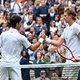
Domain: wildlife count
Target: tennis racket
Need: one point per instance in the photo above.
(69, 51)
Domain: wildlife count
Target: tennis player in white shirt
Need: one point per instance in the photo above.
(12, 43)
(71, 35)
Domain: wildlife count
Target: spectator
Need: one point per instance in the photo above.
(57, 19)
(1, 7)
(24, 61)
(32, 30)
(43, 11)
(36, 6)
(39, 26)
(53, 28)
(24, 16)
(51, 14)
(30, 52)
(30, 23)
(7, 18)
(34, 40)
(50, 3)
(31, 4)
(31, 12)
(53, 76)
(26, 4)
(2, 18)
(38, 60)
(16, 7)
(62, 24)
(5, 26)
(42, 76)
(42, 49)
(6, 7)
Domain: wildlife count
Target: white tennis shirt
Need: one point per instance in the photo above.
(72, 41)
(12, 43)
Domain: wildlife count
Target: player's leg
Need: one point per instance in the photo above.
(15, 73)
(4, 73)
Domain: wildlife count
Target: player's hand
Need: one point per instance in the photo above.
(74, 60)
(77, 59)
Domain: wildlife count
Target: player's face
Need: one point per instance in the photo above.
(66, 17)
(18, 25)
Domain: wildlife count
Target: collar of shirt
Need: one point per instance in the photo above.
(13, 30)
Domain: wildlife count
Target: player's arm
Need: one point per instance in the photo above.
(77, 59)
(55, 42)
(36, 45)
(77, 30)
(0, 41)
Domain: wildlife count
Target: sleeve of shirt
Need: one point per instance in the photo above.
(0, 40)
(77, 29)
(25, 42)
(63, 35)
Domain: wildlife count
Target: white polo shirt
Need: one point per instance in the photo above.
(12, 43)
(72, 41)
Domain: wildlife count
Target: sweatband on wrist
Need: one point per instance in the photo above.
(41, 40)
(48, 40)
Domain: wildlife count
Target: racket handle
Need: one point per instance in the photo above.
(74, 60)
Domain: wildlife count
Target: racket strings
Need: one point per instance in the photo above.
(65, 52)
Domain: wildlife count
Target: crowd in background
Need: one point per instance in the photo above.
(38, 16)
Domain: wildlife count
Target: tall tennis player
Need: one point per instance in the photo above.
(11, 43)
(71, 36)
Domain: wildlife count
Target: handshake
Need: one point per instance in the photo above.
(42, 37)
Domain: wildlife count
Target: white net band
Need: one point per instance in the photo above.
(43, 65)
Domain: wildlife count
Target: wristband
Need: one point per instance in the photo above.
(41, 40)
(48, 40)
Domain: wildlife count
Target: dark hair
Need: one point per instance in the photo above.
(14, 20)
(38, 51)
(26, 51)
